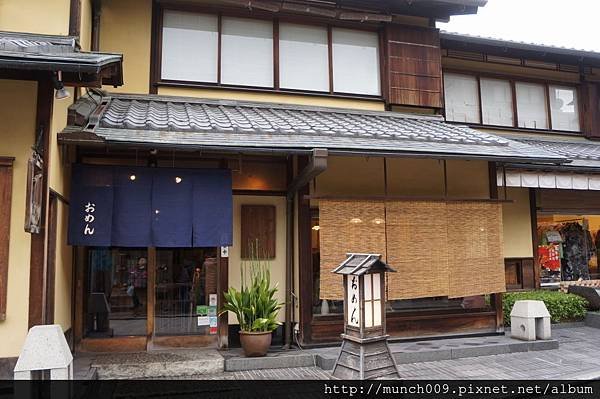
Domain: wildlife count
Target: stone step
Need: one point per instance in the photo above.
(592, 319)
(274, 360)
(158, 364)
(445, 349)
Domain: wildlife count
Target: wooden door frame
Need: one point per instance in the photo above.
(50, 267)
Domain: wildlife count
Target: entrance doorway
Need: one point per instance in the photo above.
(139, 298)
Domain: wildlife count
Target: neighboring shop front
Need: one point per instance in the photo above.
(565, 210)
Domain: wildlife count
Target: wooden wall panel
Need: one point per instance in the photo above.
(258, 223)
(414, 66)
(590, 109)
(6, 173)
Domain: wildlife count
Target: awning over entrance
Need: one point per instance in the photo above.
(582, 173)
(230, 125)
(33, 53)
(150, 207)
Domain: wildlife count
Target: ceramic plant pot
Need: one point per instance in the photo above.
(256, 343)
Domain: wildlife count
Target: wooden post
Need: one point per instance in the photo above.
(222, 286)
(37, 263)
(150, 297)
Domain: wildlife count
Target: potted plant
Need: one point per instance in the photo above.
(255, 305)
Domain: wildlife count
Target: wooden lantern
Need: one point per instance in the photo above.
(365, 353)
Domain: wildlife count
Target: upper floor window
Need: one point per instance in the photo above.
(462, 99)
(531, 105)
(355, 62)
(473, 99)
(564, 108)
(204, 48)
(496, 102)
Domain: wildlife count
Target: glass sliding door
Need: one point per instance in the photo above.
(186, 291)
(115, 294)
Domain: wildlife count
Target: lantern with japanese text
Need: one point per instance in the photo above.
(365, 353)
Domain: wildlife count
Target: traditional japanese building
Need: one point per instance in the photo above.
(317, 128)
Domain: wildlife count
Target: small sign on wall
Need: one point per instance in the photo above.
(224, 252)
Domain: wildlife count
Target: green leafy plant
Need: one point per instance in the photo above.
(562, 307)
(254, 305)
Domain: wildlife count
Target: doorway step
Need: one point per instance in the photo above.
(173, 363)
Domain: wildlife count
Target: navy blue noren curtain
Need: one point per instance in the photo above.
(172, 208)
(132, 206)
(213, 209)
(90, 206)
(141, 207)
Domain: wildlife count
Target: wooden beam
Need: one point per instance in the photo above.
(534, 238)
(6, 178)
(75, 18)
(37, 263)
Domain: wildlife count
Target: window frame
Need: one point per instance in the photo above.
(157, 81)
(513, 80)
(6, 182)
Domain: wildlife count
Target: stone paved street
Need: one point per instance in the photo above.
(578, 357)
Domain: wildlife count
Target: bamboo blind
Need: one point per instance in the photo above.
(417, 249)
(437, 248)
(347, 226)
(476, 260)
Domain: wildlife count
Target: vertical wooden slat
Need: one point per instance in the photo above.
(330, 56)
(79, 266)
(219, 45)
(37, 263)
(156, 47)
(75, 18)
(276, 54)
(496, 301)
(258, 224)
(513, 88)
(305, 261)
(150, 297)
(534, 237)
(51, 259)
(548, 107)
(223, 284)
(6, 175)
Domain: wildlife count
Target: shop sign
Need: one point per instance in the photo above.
(33, 207)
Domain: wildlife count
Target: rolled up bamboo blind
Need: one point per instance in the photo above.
(437, 248)
(347, 226)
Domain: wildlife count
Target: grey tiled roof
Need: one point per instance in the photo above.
(48, 52)
(222, 124)
(582, 152)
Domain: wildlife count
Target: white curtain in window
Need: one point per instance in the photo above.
(303, 57)
(496, 102)
(462, 98)
(189, 47)
(355, 62)
(564, 108)
(247, 52)
(531, 105)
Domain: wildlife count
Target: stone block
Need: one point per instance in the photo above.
(530, 320)
(325, 362)
(45, 348)
(422, 356)
(592, 319)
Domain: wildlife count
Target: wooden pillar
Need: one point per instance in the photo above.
(222, 286)
(37, 263)
(495, 299)
(79, 267)
(150, 297)
(305, 259)
(534, 238)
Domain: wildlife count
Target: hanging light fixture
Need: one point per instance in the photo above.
(132, 177)
(59, 86)
(178, 179)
